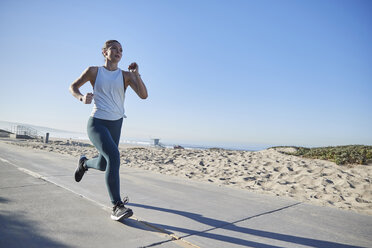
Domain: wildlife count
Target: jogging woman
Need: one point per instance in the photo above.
(109, 84)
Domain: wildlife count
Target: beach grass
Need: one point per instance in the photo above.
(341, 155)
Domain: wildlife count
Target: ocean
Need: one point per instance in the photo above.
(63, 134)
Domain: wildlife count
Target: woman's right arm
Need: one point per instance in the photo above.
(87, 75)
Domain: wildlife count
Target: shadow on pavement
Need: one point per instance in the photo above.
(16, 230)
(231, 226)
(3, 200)
(142, 225)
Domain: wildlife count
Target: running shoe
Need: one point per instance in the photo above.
(119, 211)
(81, 169)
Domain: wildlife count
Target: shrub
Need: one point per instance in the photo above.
(352, 154)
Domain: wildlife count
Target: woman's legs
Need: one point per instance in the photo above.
(105, 136)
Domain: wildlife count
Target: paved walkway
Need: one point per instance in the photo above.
(42, 206)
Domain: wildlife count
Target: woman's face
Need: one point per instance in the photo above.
(114, 52)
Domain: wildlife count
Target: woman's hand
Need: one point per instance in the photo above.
(135, 81)
(87, 99)
(133, 68)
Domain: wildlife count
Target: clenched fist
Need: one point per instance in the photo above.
(87, 99)
(133, 67)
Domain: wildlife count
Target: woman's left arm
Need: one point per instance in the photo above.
(135, 81)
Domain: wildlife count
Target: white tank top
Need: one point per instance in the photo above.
(109, 95)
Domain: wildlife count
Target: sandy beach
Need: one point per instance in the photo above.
(268, 171)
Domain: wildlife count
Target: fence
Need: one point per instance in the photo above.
(26, 132)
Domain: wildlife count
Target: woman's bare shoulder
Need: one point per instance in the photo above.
(91, 72)
(92, 69)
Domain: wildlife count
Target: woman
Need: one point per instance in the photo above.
(104, 125)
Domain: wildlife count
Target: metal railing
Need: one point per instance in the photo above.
(26, 132)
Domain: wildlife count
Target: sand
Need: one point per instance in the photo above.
(268, 171)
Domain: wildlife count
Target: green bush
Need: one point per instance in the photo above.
(352, 154)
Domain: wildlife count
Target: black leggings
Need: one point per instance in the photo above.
(105, 136)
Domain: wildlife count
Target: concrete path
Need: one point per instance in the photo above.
(42, 206)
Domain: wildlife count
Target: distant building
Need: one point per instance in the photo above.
(5, 133)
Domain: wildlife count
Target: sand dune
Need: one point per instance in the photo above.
(268, 171)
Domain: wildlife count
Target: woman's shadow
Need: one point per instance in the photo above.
(232, 226)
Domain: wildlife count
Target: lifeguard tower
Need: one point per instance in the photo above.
(156, 142)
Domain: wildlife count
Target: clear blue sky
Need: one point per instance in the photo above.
(218, 72)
